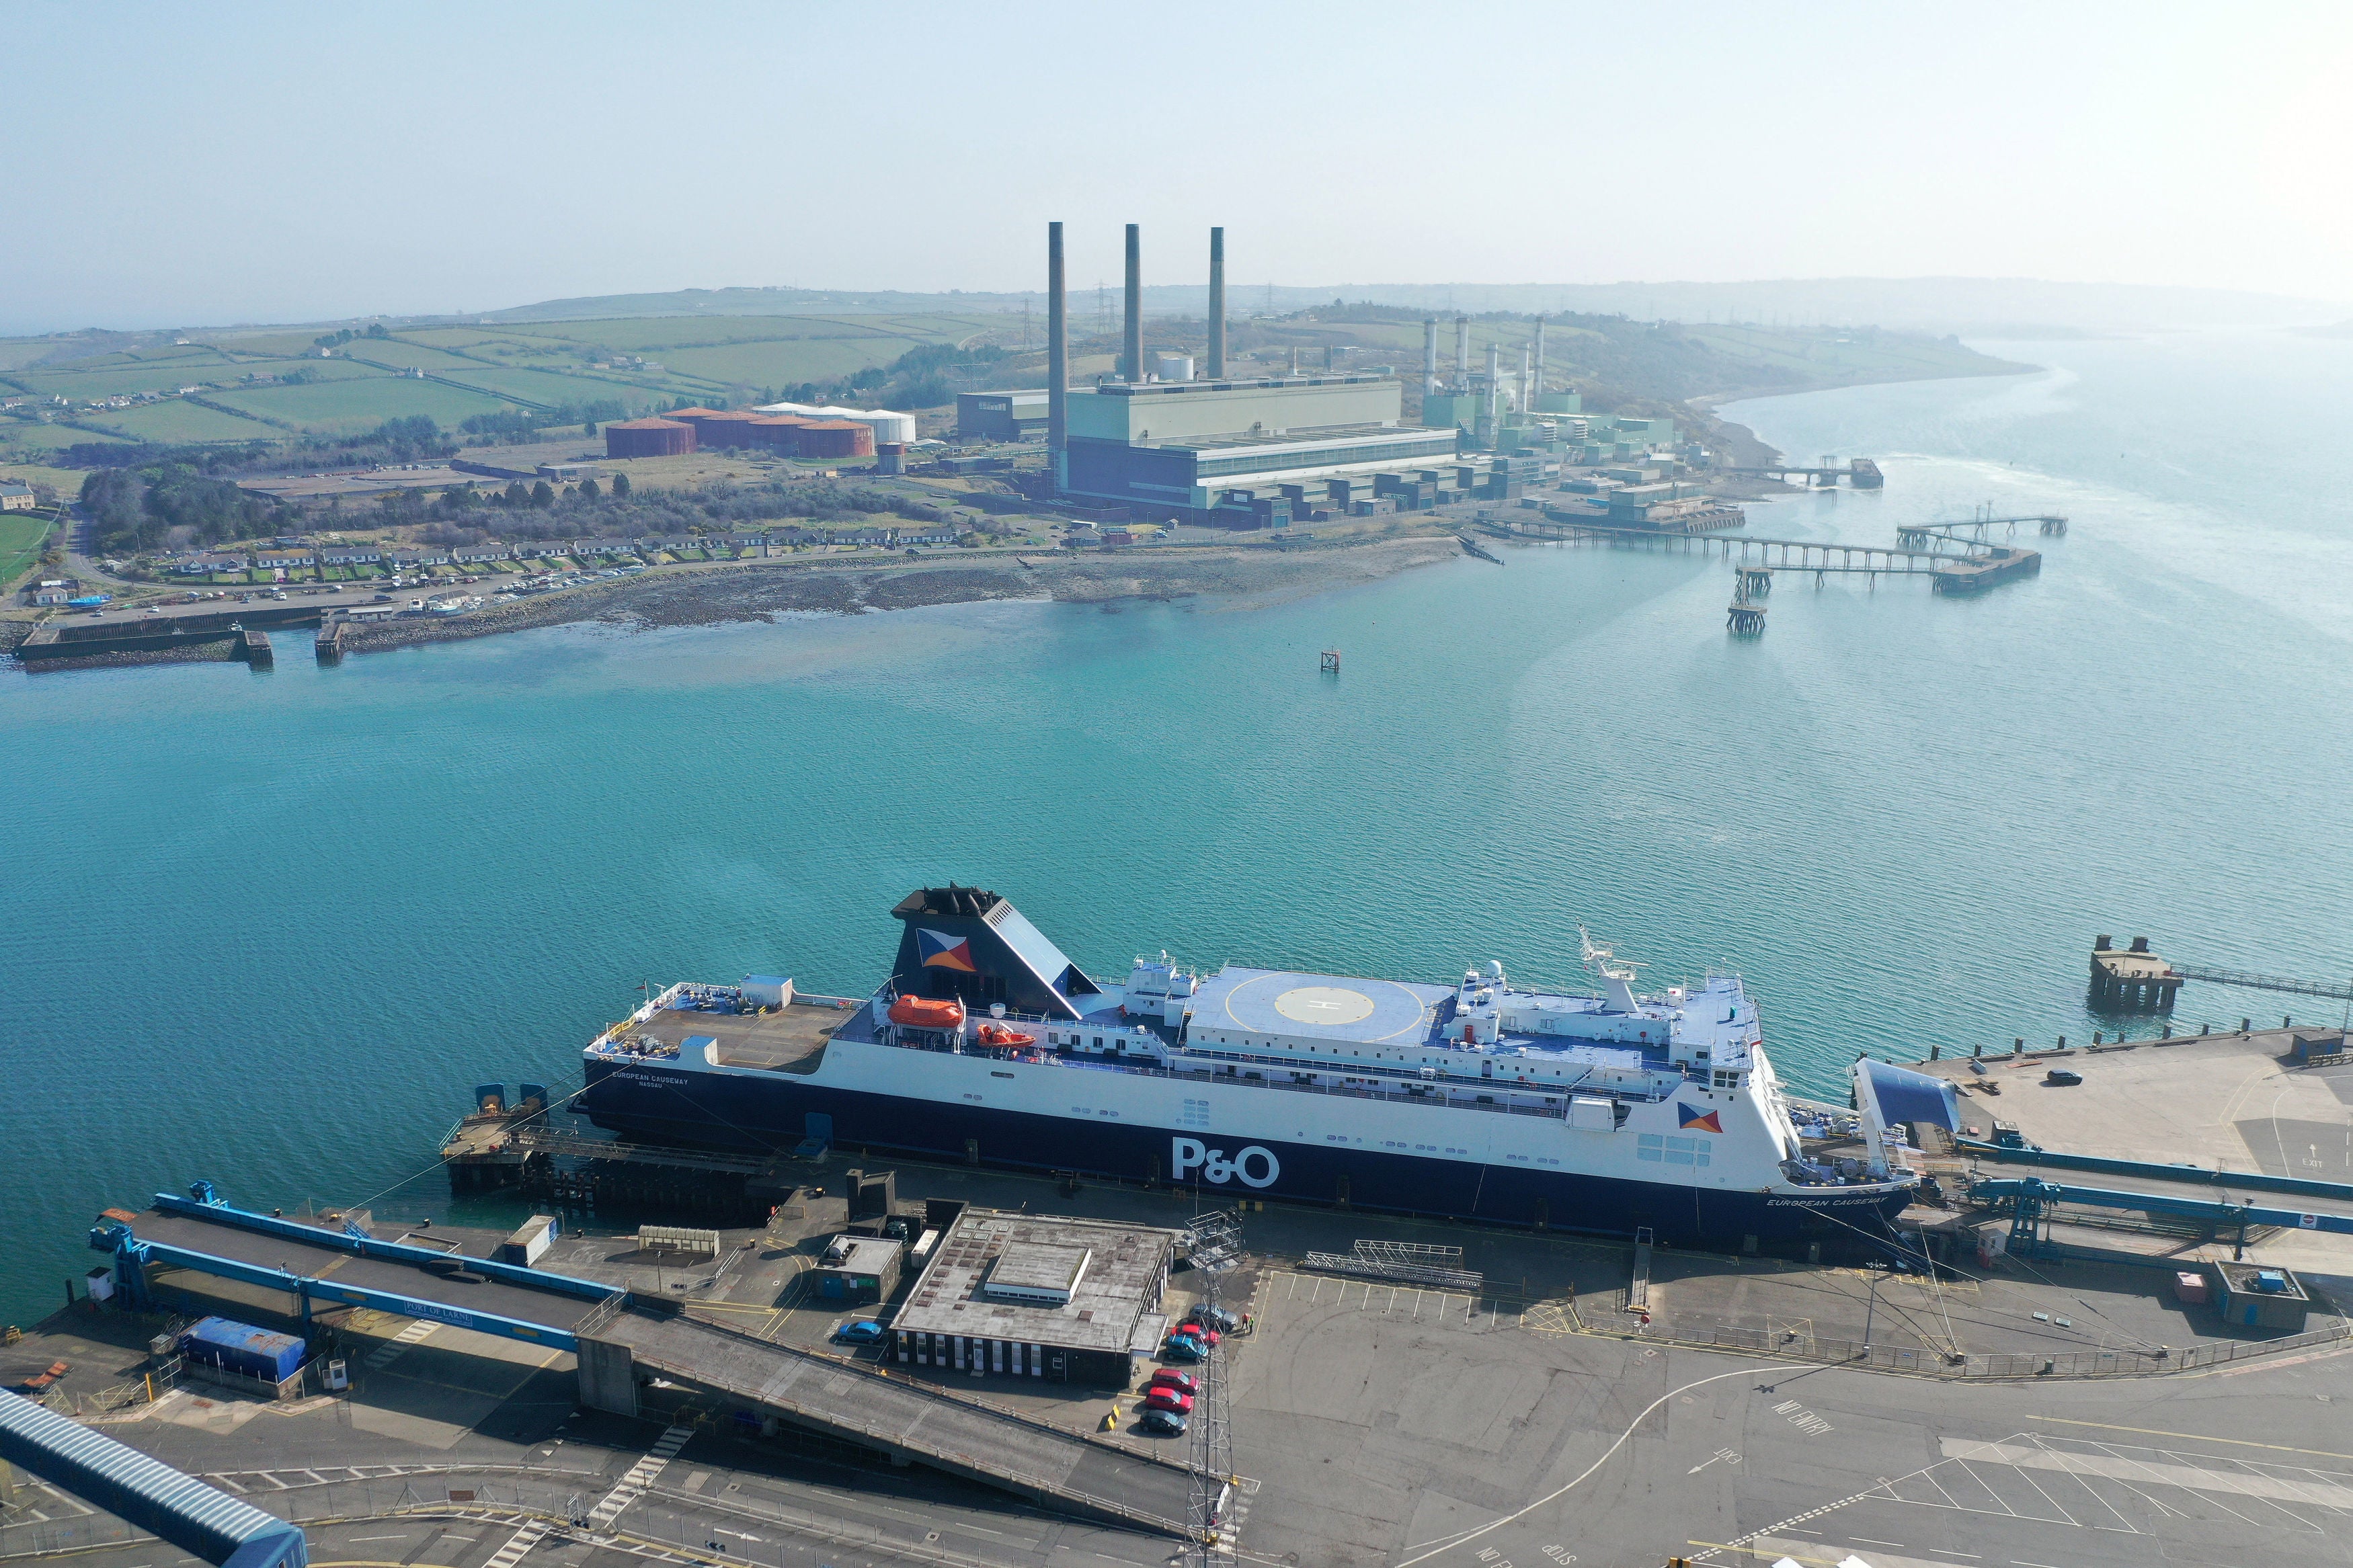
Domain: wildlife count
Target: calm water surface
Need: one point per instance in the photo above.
(267, 928)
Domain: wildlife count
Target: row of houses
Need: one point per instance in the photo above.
(416, 556)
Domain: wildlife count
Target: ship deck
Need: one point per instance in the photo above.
(788, 1040)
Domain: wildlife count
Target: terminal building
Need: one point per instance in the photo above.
(1185, 449)
(1021, 1295)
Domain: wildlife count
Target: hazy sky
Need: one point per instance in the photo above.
(205, 163)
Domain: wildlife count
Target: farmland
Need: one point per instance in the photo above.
(20, 544)
(477, 367)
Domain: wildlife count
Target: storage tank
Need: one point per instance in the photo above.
(716, 432)
(886, 425)
(777, 432)
(1173, 367)
(648, 438)
(837, 439)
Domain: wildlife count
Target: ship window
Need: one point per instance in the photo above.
(1098, 1042)
(1648, 1146)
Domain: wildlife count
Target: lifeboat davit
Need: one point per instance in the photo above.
(927, 1013)
(998, 1035)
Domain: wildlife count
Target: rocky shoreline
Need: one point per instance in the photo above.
(757, 591)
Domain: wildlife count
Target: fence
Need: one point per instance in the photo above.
(2012, 1365)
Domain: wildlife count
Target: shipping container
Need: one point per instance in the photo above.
(242, 1348)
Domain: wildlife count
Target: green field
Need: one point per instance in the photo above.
(495, 366)
(20, 544)
(350, 407)
(28, 435)
(546, 387)
(178, 419)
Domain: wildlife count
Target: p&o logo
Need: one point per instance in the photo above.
(1254, 1166)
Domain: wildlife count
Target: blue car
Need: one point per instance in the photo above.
(866, 1332)
(1163, 1423)
(1183, 1348)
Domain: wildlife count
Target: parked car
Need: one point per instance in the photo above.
(866, 1332)
(1169, 1377)
(1163, 1423)
(1166, 1398)
(2061, 1078)
(1217, 1318)
(1182, 1349)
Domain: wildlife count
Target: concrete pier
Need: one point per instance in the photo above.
(2134, 981)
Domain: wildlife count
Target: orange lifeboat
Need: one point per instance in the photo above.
(998, 1035)
(926, 1013)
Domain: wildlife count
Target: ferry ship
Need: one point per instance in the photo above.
(1609, 1112)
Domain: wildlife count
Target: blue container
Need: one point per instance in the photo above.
(242, 1348)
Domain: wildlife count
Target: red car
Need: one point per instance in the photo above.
(1168, 1377)
(1160, 1396)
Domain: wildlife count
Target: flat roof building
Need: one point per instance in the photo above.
(1019, 1295)
(1174, 448)
(1002, 415)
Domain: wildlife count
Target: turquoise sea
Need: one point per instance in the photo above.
(267, 928)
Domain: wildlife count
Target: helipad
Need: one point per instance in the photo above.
(1324, 1004)
(1239, 1006)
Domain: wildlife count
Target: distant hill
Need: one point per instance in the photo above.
(1983, 307)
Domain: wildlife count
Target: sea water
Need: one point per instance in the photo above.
(269, 927)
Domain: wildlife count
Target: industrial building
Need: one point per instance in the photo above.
(1012, 415)
(1181, 449)
(1020, 1295)
(1236, 452)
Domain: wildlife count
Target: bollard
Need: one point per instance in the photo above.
(1978, 1050)
(2095, 1037)
(2062, 1042)
(2017, 1047)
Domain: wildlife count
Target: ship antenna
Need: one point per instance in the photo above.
(1603, 960)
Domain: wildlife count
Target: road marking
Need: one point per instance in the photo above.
(1607, 1454)
(400, 1343)
(2195, 1437)
(358, 1540)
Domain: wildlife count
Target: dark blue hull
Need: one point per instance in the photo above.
(775, 1114)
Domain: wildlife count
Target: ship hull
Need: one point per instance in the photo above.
(777, 1112)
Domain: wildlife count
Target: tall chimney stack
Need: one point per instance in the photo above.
(1463, 350)
(1525, 404)
(1058, 361)
(1430, 357)
(1132, 353)
(1539, 383)
(1495, 392)
(1217, 304)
